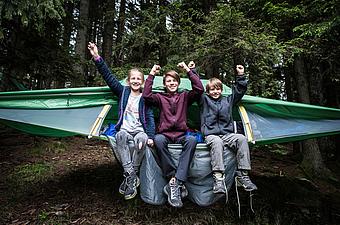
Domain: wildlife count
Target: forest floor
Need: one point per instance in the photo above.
(75, 180)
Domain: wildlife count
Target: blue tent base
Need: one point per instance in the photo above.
(200, 180)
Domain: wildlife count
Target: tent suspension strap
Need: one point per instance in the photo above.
(97, 124)
(249, 131)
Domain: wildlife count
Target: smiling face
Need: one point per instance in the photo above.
(171, 81)
(171, 84)
(215, 92)
(135, 80)
(214, 88)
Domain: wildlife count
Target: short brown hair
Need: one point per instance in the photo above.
(214, 82)
(173, 74)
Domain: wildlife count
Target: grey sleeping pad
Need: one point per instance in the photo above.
(200, 180)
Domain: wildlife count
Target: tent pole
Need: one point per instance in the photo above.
(99, 121)
(249, 131)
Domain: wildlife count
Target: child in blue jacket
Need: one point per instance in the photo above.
(135, 122)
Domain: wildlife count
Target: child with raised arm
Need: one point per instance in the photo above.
(218, 128)
(135, 122)
(172, 127)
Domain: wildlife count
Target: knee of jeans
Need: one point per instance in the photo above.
(140, 138)
(212, 139)
(242, 138)
(120, 135)
(141, 135)
(191, 140)
(159, 138)
(218, 141)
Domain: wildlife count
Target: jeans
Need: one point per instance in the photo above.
(168, 167)
(128, 149)
(236, 142)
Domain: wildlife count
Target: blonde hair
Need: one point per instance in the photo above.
(135, 70)
(173, 74)
(213, 82)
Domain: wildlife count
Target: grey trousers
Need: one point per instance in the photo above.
(128, 149)
(236, 142)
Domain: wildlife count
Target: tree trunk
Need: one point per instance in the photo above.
(162, 33)
(67, 24)
(4, 84)
(211, 69)
(290, 85)
(119, 57)
(67, 32)
(290, 88)
(81, 40)
(312, 161)
(108, 31)
(208, 6)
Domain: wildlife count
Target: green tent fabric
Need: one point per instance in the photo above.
(268, 120)
(36, 111)
(56, 122)
(57, 98)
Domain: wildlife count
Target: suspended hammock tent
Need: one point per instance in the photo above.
(83, 111)
(57, 112)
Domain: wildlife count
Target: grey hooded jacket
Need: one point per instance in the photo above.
(216, 114)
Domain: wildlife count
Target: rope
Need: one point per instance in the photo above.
(251, 201)
(238, 199)
(226, 191)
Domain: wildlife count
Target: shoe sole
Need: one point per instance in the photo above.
(121, 191)
(219, 192)
(244, 187)
(165, 192)
(127, 197)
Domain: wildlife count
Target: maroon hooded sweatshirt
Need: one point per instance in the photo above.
(173, 106)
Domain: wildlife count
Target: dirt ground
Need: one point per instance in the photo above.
(75, 180)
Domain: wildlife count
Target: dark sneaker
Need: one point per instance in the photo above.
(219, 185)
(244, 181)
(172, 190)
(132, 182)
(184, 191)
(122, 186)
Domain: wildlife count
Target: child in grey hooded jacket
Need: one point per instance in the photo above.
(217, 126)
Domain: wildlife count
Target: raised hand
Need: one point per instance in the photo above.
(183, 66)
(240, 70)
(92, 47)
(191, 65)
(155, 69)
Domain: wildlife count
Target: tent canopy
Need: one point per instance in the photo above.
(71, 111)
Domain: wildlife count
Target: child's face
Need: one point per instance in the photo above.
(135, 81)
(171, 84)
(215, 92)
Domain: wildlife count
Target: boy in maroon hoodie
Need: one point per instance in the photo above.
(172, 126)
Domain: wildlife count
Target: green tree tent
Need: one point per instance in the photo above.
(83, 111)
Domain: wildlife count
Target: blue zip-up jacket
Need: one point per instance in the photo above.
(123, 92)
